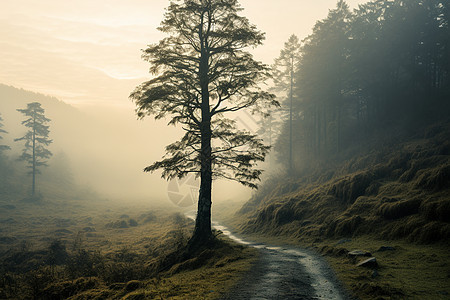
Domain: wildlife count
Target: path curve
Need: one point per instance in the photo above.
(284, 273)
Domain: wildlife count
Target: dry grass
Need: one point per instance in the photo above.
(410, 271)
(78, 250)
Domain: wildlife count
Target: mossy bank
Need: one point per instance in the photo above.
(397, 193)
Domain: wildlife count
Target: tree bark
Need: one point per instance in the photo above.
(202, 231)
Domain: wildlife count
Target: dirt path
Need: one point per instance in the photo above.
(285, 273)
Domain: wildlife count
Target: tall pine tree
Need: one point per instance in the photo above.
(35, 151)
(284, 69)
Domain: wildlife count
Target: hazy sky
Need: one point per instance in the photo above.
(88, 52)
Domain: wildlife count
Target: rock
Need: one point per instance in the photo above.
(386, 248)
(368, 263)
(359, 253)
(124, 216)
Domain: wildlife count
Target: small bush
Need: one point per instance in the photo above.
(57, 254)
(133, 222)
(121, 272)
(117, 224)
(85, 263)
(66, 289)
(36, 280)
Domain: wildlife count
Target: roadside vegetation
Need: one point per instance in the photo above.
(394, 196)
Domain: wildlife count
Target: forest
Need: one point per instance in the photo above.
(361, 78)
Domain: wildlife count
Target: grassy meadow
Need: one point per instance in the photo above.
(109, 250)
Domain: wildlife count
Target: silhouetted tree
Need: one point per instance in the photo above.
(36, 140)
(2, 147)
(322, 76)
(269, 126)
(202, 73)
(284, 70)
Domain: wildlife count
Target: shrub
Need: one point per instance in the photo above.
(57, 254)
(85, 263)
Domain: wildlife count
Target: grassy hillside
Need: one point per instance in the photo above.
(394, 194)
(398, 191)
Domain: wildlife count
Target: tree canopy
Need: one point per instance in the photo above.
(202, 76)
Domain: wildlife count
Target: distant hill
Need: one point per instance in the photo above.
(62, 115)
(11, 97)
(103, 146)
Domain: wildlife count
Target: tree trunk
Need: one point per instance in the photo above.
(291, 167)
(33, 185)
(202, 231)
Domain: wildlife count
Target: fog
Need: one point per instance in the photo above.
(88, 55)
(353, 99)
(106, 148)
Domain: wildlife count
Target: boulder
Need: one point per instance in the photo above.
(355, 253)
(386, 248)
(368, 263)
